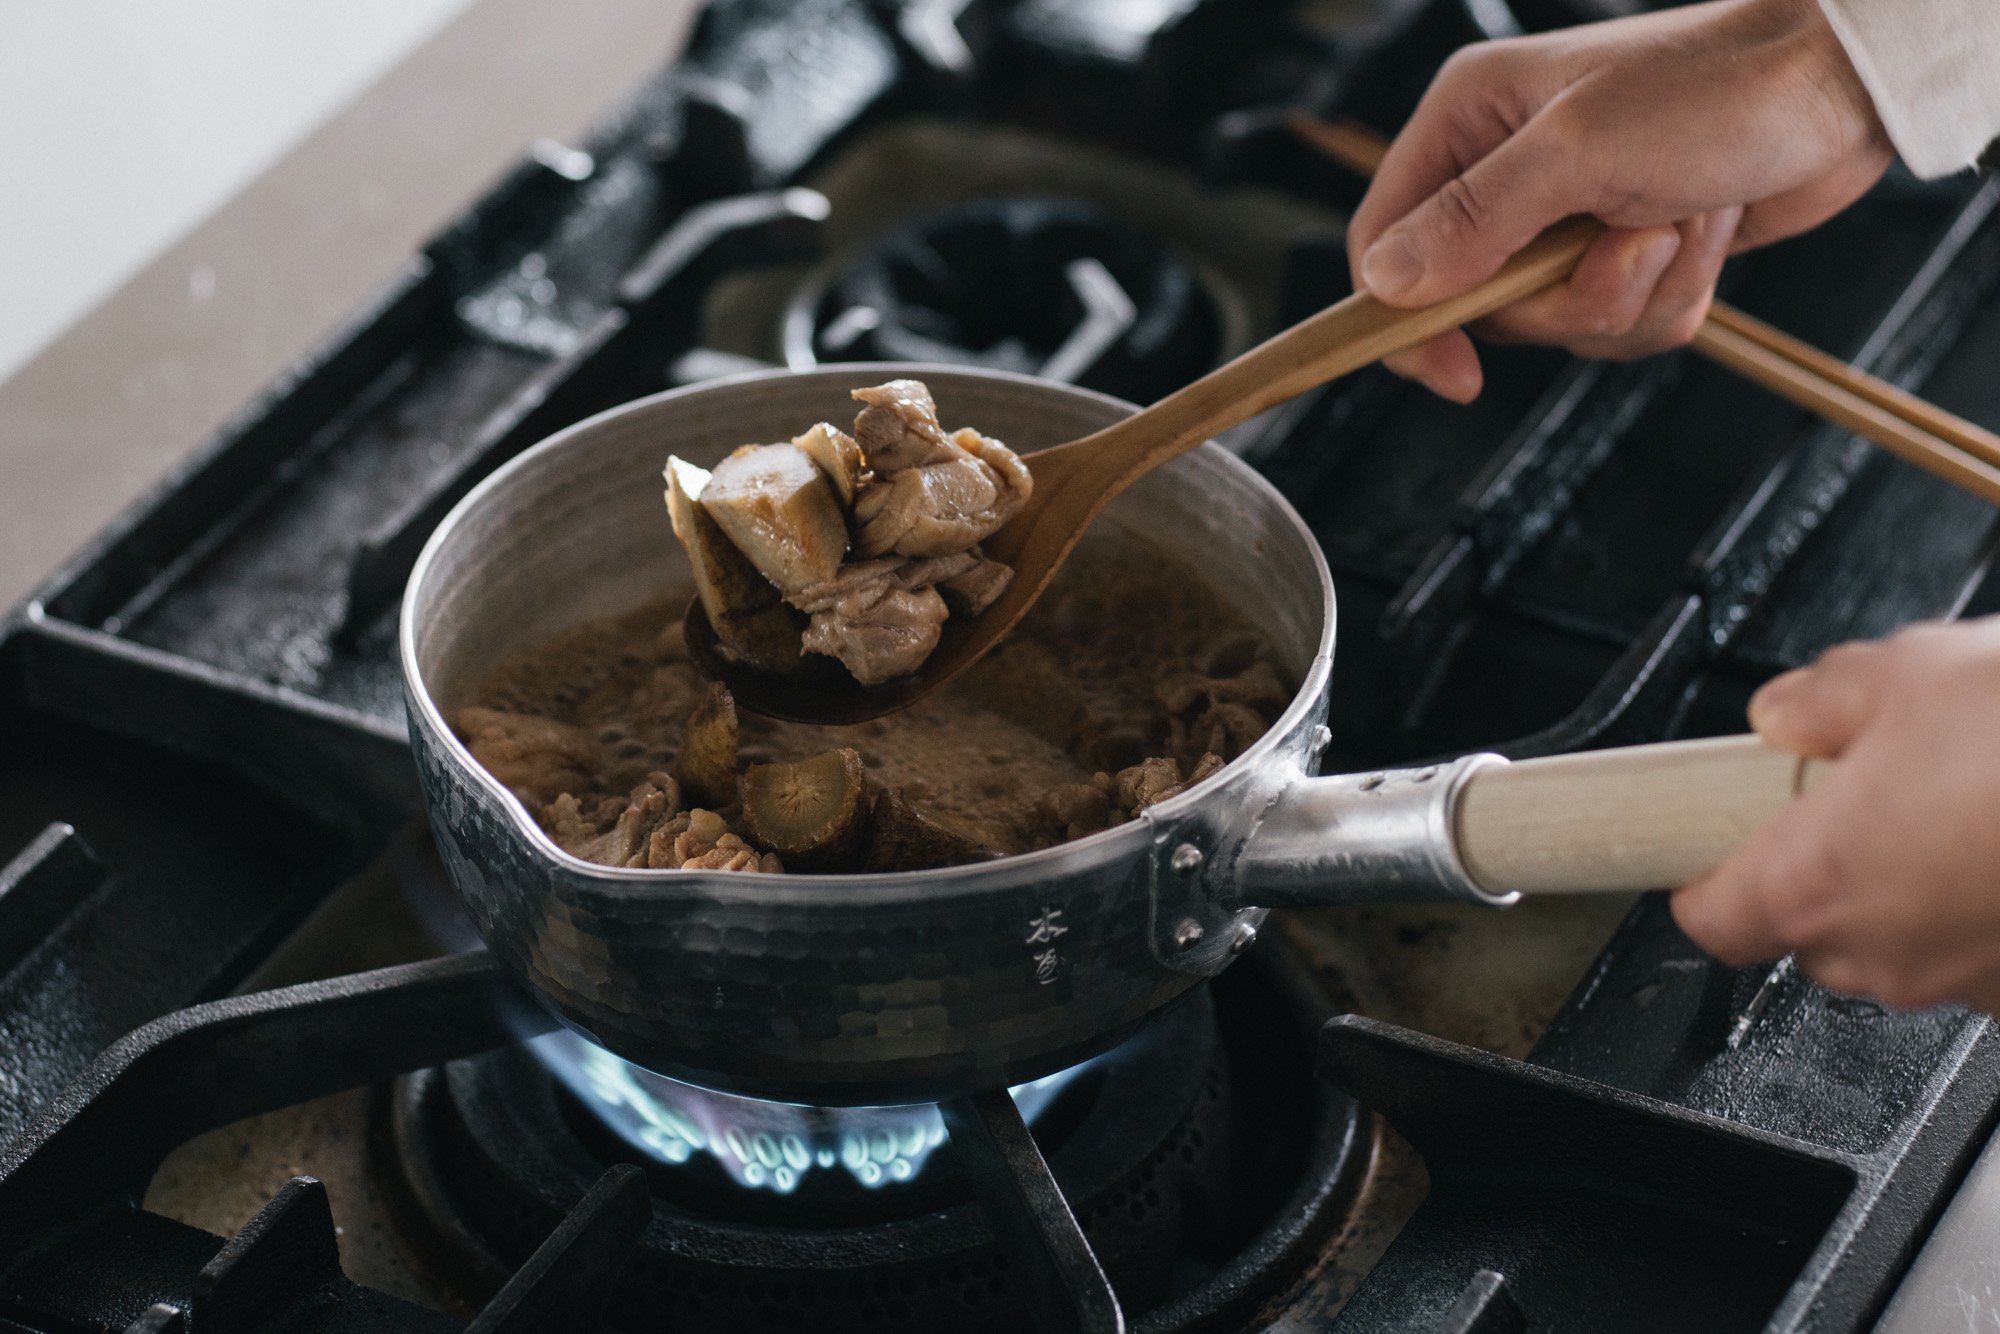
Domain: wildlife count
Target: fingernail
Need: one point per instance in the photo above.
(1656, 252)
(1391, 267)
(1772, 698)
(1457, 387)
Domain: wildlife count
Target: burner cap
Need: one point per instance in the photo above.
(1051, 287)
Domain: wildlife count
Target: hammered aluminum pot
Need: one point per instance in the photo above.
(915, 986)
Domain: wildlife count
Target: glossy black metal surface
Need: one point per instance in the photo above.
(77, 1250)
(1048, 287)
(1066, 1288)
(1758, 1155)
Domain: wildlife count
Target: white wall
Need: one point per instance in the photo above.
(124, 122)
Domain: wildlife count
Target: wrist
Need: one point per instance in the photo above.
(1817, 67)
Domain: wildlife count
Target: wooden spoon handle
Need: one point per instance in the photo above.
(1640, 817)
(1340, 339)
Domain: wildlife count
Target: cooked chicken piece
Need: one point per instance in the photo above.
(870, 579)
(898, 426)
(941, 507)
(838, 456)
(563, 821)
(923, 511)
(881, 638)
(1011, 470)
(978, 588)
(538, 758)
(1152, 781)
(1077, 808)
(699, 840)
(650, 805)
(1146, 782)
(1227, 729)
(1205, 768)
(931, 494)
(779, 510)
(1256, 686)
(748, 615)
(731, 853)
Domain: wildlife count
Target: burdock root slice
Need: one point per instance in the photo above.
(813, 812)
(751, 621)
(778, 508)
(706, 765)
(906, 837)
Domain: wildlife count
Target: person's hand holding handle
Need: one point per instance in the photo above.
(1638, 817)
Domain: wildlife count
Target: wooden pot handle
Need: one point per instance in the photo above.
(1641, 817)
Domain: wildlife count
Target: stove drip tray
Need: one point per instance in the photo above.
(1050, 287)
(1205, 1166)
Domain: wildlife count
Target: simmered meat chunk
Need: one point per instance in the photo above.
(1152, 781)
(978, 587)
(947, 505)
(880, 636)
(651, 804)
(870, 579)
(898, 426)
(537, 758)
(1079, 808)
(881, 617)
(700, 840)
(875, 536)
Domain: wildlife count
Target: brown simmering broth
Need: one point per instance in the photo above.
(1129, 661)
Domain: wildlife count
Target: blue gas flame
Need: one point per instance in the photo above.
(763, 1145)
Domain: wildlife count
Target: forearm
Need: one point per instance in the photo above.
(1932, 68)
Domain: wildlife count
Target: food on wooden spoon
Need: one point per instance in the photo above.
(750, 617)
(873, 537)
(777, 507)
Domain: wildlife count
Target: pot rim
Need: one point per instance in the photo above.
(777, 887)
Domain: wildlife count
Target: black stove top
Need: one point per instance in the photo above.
(201, 737)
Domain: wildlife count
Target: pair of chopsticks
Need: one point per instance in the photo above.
(1947, 446)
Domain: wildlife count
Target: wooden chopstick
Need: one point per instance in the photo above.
(1347, 142)
(1864, 414)
(1919, 432)
(1969, 436)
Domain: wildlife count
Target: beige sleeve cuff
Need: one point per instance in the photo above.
(1933, 70)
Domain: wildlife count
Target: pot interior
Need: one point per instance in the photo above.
(577, 528)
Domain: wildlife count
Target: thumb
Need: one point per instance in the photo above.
(1463, 233)
(1818, 710)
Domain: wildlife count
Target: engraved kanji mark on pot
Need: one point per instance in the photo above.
(1044, 930)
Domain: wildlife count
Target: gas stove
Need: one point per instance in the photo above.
(254, 1079)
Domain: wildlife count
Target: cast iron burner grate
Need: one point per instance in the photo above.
(1589, 555)
(1178, 1153)
(1053, 287)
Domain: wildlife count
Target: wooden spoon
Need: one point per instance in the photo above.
(1075, 481)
